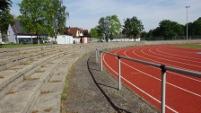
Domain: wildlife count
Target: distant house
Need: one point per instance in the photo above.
(16, 34)
(79, 35)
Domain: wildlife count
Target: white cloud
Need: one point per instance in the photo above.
(86, 13)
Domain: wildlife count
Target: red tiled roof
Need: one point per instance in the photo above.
(73, 31)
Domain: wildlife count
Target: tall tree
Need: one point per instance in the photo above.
(109, 26)
(43, 16)
(197, 27)
(95, 33)
(36, 16)
(132, 26)
(5, 17)
(60, 15)
(170, 29)
(5, 4)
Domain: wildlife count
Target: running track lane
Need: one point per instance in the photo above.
(183, 92)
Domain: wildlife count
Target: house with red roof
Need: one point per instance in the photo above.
(79, 35)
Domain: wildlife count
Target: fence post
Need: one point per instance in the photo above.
(96, 55)
(101, 61)
(119, 71)
(163, 71)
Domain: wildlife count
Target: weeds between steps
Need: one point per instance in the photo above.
(64, 94)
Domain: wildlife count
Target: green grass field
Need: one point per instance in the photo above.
(193, 46)
(20, 45)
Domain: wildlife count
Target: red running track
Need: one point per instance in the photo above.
(183, 92)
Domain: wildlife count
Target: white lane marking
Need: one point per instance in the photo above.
(160, 63)
(160, 80)
(169, 60)
(177, 55)
(138, 87)
(173, 57)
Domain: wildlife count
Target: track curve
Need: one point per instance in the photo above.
(183, 92)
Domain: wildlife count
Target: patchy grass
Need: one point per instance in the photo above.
(63, 96)
(193, 46)
(24, 63)
(35, 111)
(27, 78)
(50, 62)
(1, 77)
(20, 45)
(48, 109)
(39, 71)
(55, 81)
(42, 66)
(45, 92)
(15, 68)
(11, 92)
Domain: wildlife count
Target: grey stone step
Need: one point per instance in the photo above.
(50, 99)
(24, 95)
(14, 75)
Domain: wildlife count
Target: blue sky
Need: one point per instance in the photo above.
(86, 13)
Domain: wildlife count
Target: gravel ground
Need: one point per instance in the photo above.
(93, 91)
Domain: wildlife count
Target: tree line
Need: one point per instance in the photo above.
(168, 29)
(110, 26)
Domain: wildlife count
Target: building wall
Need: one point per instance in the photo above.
(11, 35)
(64, 39)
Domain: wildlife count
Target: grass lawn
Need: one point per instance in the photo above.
(20, 45)
(193, 46)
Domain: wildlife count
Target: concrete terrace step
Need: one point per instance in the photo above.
(50, 98)
(19, 56)
(24, 95)
(14, 75)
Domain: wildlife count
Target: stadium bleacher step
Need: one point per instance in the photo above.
(20, 98)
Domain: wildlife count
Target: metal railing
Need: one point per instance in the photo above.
(163, 68)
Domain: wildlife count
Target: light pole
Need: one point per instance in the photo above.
(187, 21)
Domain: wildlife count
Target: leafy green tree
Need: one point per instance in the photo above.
(5, 4)
(144, 34)
(132, 26)
(109, 26)
(60, 15)
(6, 18)
(95, 33)
(36, 16)
(197, 27)
(43, 17)
(169, 29)
(115, 25)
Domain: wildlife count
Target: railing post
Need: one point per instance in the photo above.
(101, 61)
(96, 55)
(119, 71)
(163, 70)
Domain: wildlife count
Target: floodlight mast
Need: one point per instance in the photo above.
(187, 21)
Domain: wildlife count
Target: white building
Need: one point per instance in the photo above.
(64, 39)
(0, 37)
